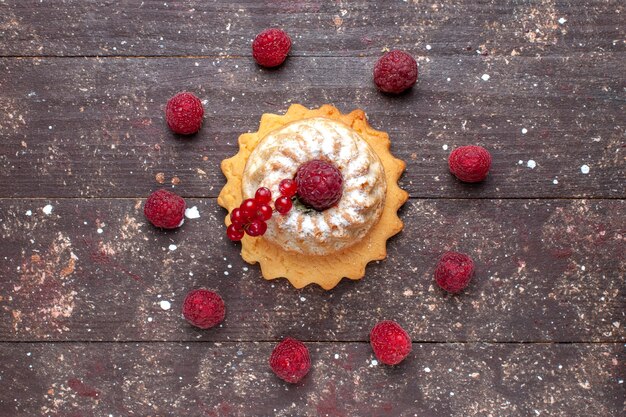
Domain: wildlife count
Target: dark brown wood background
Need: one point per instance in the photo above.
(540, 331)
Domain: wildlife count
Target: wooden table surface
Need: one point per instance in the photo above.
(540, 331)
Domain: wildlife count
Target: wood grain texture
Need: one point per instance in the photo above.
(95, 128)
(547, 270)
(329, 28)
(540, 330)
(233, 379)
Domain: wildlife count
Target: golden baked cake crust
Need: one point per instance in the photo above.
(327, 270)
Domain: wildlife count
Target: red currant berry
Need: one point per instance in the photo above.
(248, 209)
(237, 218)
(256, 228)
(264, 212)
(263, 195)
(234, 233)
(283, 205)
(288, 187)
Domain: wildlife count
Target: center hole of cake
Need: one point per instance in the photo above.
(320, 184)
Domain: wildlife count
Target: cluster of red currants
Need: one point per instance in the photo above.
(253, 213)
(251, 216)
(288, 188)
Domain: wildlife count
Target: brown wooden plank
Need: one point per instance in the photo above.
(233, 379)
(359, 27)
(93, 127)
(547, 270)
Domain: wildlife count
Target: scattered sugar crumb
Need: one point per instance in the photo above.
(485, 77)
(524, 131)
(374, 362)
(336, 356)
(428, 47)
(302, 299)
(47, 209)
(445, 147)
(448, 79)
(520, 162)
(531, 164)
(245, 269)
(29, 213)
(225, 272)
(173, 247)
(165, 305)
(99, 230)
(192, 213)
(562, 20)
(149, 319)
(427, 369)
(584, 169)
(555, 181)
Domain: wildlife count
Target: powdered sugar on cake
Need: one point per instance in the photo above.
(279, 155)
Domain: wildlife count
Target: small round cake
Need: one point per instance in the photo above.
(334, 189)
(303, 229)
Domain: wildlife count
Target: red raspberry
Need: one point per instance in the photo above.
(390, 342)
(395, 72)
(319, 184)
(165, 209)
(203, 308)
(470, 163)
(290, 360)
(270, 47)
(184, 113)
(454, 271)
